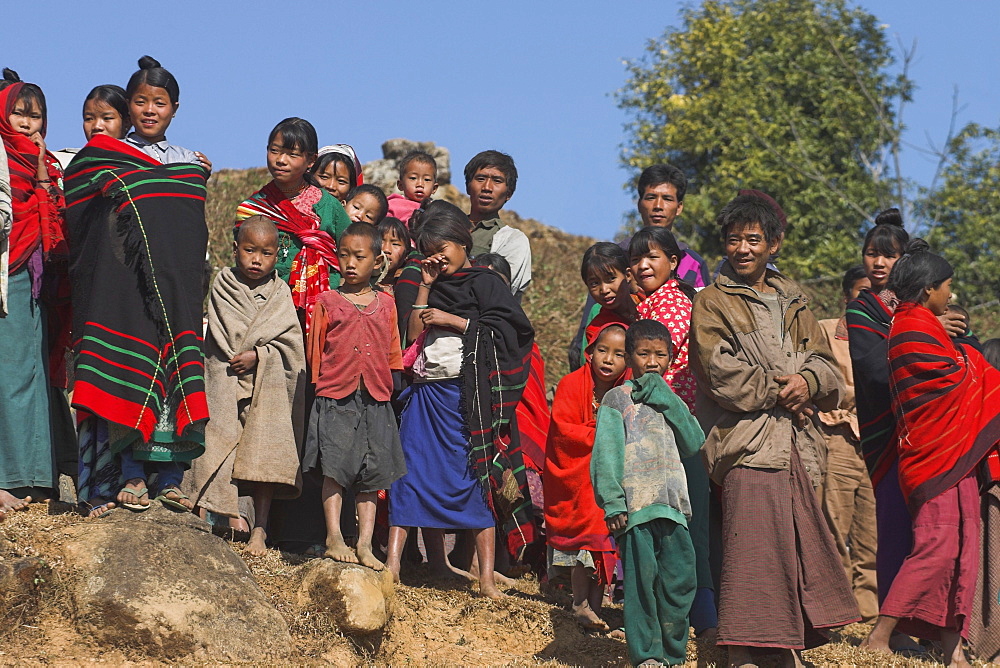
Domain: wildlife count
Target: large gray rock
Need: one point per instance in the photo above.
(385, 172)
(359, 600)
(161, 583)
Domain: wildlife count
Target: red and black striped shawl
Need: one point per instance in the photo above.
(946, 399)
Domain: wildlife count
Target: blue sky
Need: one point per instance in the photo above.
(534, 79)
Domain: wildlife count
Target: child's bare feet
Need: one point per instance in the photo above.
(338, 550)
(9, 502)
(367, 558)
(588, 619)
(258, 542)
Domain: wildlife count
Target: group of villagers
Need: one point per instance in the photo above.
(718, 459)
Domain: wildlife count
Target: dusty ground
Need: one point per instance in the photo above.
(436, 623)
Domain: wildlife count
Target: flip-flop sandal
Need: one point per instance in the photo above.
(173, 504)
(137, 493)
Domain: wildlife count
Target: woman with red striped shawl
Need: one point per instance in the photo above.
(946, 399)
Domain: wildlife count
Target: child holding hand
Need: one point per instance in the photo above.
(643, 432)
(352, 435)
(417, 181)
(577, 537)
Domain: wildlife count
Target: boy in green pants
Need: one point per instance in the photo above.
(643, 432)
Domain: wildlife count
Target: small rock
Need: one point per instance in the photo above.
(359, 599)
(161, 583)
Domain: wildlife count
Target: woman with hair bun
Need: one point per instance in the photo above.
(153, 98)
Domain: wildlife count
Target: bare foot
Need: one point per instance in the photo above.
(130, 496)
(499, 578)
(258, 542)
(9, 502)
(740, 657)
(368, 559)
(491, 592)
(338, 550)
(875, 646)
(588, 619)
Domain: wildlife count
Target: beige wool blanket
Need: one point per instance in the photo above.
(256, 424)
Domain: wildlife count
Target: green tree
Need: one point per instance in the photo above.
(964, 213)
(792, 97)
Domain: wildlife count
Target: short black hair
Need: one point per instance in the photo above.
(918, 270)
(297, 134)
(113, 96)
(333, 156)
(603, 259)
(392, 225)
(887, 237)
(745, 210)
(647, 330)
(365, 231)
(494, 261)
(150, 72)
(852, 276)
(376, 192)
(419, 156)
(257, 223)
(491, 158)
(441, 221)
(654, 175)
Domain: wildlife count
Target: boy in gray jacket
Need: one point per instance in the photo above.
(643, 431)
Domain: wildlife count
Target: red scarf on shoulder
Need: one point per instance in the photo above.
(947, 402)
(37, 211)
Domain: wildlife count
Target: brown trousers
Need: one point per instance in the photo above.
(849, 506)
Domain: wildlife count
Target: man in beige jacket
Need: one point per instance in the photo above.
(764, 366)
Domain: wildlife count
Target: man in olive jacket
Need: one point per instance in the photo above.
(764, 366)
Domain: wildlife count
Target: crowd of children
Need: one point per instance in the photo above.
(740, 467)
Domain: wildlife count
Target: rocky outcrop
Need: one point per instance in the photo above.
(385, 172)
(359, 600)
(160, 583)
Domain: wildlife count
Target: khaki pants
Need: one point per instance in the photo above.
(849, 506)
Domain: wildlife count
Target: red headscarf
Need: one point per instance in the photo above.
(37, 217)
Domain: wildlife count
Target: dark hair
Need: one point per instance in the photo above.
(603, 259)
(654, 175)
(991, 351)
(747, 210)
(615, 326)
(501, 161)
(29, 93)
(255, 224)
(442, 221)
(662, 237)
(961, 310)
(852, 276)
(374, 191)
(365, 231)
(392, 225)
(113, 96)
(417, 217)
(888, 236)
(418, 156)
(917, 270)
(151, 73)
(323, 161)
(494, 261)
(647, 330)
(771, 202)
(297, 134)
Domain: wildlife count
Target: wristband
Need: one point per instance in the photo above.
(417, 307)
(425, 285)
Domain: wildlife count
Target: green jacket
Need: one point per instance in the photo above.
(333, 220)
(643, 432)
